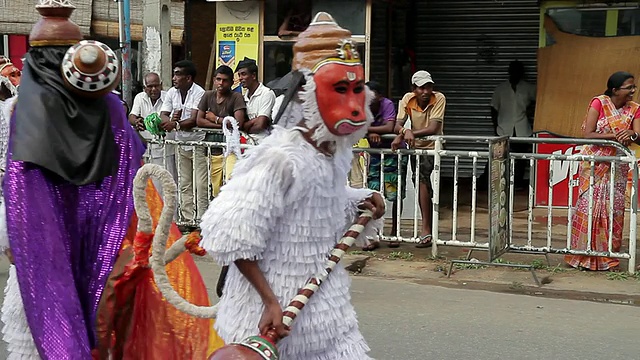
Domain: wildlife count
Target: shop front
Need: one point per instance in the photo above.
(266, 31)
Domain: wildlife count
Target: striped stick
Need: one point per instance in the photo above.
(299, 301)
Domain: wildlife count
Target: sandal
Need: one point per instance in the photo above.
(425, 241)
(371, 247)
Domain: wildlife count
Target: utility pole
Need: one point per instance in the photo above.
(124, 14)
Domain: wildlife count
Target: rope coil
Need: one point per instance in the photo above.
(160, 257)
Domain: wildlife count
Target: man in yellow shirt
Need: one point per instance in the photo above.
(425, 108)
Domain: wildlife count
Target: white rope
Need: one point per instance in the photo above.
(232, 137)
(158, 259)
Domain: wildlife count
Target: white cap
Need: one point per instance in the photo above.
(420, 78)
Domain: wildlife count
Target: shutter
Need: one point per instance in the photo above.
(467, 47)
(378, 44)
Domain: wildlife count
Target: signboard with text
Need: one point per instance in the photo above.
(235, 42)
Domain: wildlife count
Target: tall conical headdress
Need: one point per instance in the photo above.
(324, 41)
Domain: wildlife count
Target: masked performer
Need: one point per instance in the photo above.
(287, 204)
(69, 209)
(15, 332)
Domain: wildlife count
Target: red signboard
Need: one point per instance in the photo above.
(563, 174)
(18, 46)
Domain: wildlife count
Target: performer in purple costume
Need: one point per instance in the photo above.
(68, 191)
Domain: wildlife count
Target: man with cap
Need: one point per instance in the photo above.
(425, 108)
(287, 206)
(259, 99)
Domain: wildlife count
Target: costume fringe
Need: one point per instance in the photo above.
(15, 331)
(286, 207)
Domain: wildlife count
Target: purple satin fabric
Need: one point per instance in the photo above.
(65, 240)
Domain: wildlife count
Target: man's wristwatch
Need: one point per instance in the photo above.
(634, 137)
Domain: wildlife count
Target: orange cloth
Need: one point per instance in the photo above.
(134, 320)
(599, 200)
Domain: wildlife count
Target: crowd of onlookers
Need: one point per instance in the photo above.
(186, 105)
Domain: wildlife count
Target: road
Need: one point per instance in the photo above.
(403, 320)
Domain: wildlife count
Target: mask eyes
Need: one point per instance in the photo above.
(341, 89)
(344, 89)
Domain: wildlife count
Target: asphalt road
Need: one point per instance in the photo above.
(402, 320)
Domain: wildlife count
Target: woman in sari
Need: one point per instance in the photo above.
(612, 116)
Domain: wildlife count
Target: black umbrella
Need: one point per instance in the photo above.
(280, 85)
(287, 85)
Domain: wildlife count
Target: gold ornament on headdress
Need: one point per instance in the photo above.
(55, 28)
(324, 42)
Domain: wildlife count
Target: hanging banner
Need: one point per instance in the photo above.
(235, 42)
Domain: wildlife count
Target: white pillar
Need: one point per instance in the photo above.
(156, 47)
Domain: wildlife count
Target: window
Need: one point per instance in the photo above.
(580, 21)
(350, 14)
(586, 22)
(293, 17)
(629, 22)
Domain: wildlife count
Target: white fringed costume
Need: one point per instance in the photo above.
(15, 330)
(286, 206)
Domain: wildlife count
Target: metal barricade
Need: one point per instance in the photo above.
(553, 239)
(191, 185)
(463, 221)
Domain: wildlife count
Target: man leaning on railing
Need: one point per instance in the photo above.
(425, 108)
(215, 105)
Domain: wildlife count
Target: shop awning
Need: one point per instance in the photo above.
(94, 18)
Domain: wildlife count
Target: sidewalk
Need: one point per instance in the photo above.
(417, 265)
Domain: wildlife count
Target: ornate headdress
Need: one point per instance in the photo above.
(325, 43)
(55, 28)
(9, 75)
(322, 43)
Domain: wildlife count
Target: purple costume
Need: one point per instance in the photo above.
(65, 239)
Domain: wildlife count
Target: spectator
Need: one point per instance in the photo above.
(297, 20)
(144, 104)
(384, 113)
(178, 113)
(258, 98)
(425, 108)
(509, 106)
(213, 108)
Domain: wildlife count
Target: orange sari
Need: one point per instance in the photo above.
(613, 121)
(134, 320)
